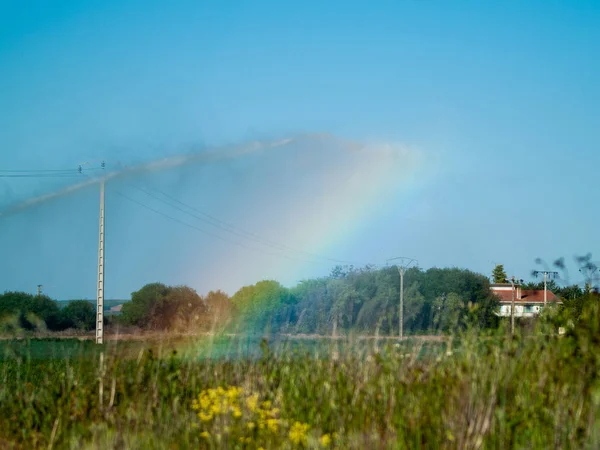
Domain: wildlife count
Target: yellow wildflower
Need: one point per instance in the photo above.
(325, 440)
(272, 425)
(237, 412)
(205, 417)
(233, 393)
(204, 402)
(205, 434)
(298, 432)
(216, 409)
(266, 404)
(252, 402)
(251, 425)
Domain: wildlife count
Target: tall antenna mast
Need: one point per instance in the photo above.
(403, 264)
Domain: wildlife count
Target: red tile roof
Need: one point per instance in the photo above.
(527, 296)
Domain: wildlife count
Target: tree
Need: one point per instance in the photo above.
(79, 314)
(414, 303)
(32, 311)
(138, 310)
(448, 312)
(264, 305)
(219, 308)
(180, 307)
(161, 307)
(499, 275)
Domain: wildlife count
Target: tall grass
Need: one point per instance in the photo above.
(493, 391)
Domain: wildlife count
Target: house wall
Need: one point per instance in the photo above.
(527, 310)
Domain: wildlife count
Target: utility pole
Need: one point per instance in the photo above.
(401, 319)
(100, 289)
(512, 307)
(546, 275)
(100, 296)
(39, 290)
(404, 264)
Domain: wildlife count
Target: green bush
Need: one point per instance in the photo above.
(79, 314)
(31, 310)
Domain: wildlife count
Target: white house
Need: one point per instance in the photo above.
(528, 302)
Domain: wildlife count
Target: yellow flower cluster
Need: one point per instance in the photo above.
(298, 433)
(232, 402)
(325, 440)
(267, 416)
(253, 417)
(214, 402)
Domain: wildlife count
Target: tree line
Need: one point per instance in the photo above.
(366, 300)
(363, 300)
(23, 311)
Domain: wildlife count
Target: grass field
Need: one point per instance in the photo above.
(234, 392)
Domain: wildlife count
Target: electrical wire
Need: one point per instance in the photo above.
(42, 173)
(63, 175)
(211, 220)
(225, 226)
(181, 222)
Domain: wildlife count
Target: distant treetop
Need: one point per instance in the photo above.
(499, 275)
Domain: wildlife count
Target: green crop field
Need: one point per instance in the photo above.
(245, 393)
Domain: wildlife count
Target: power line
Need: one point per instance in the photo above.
(36, 170)
(225, 226)
(31, 175)
(181, 222)
(41, 173)
(218, 223)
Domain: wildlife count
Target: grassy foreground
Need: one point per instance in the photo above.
(535, 392)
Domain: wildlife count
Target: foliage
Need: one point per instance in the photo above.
(79, 314)
(30, 311)
(499, 274)
(367, 300)
(491, 391)
(160, 307)
(262, 304)
(219, 308)
(138, 311)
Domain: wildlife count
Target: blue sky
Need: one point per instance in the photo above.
(499, 100)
